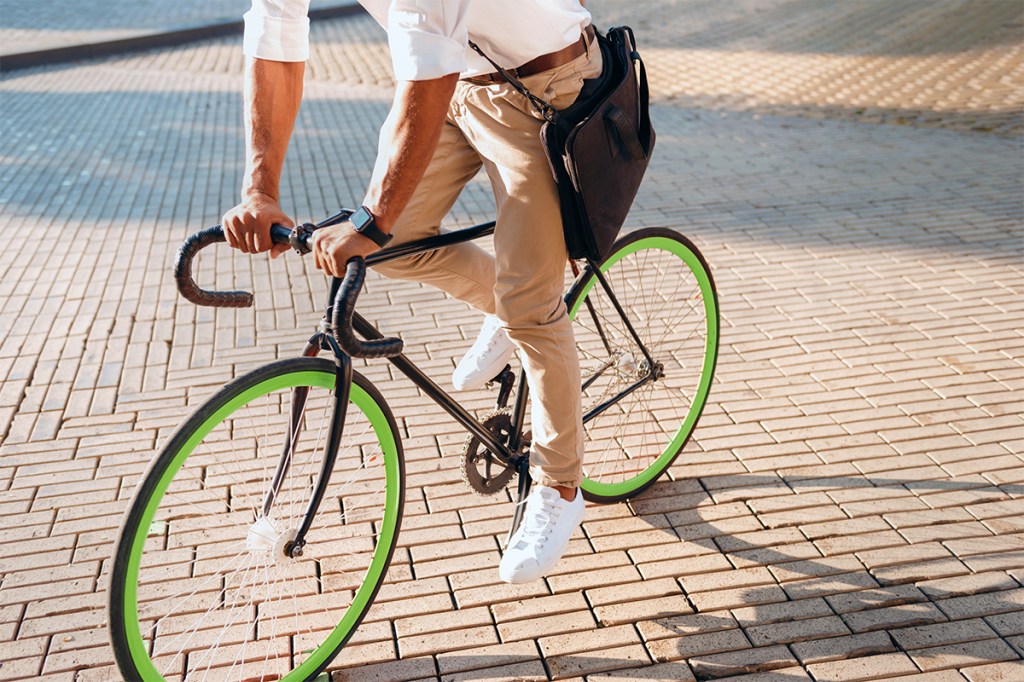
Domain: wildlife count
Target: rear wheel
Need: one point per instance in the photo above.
(638, 415)
(202, 587)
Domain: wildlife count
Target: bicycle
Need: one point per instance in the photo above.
(229, 564)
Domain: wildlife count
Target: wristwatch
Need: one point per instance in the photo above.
(362, 221)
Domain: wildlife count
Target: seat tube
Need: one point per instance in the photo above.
(519, 413)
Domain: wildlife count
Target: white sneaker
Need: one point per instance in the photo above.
(491, 351)
(543, 535)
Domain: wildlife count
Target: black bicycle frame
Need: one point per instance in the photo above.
(324, 341)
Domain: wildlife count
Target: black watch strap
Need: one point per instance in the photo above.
(362, 221)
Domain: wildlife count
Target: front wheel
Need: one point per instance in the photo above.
(639, 408)
(202, 584)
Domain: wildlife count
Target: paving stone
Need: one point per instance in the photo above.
(937, 676)
(780, 675)
(766, 556)
(942, 633)
(536, 628)
(735, 662)
(421, 604)
(902, 555)
(392, 671)
(837, 648)
(995, 672)
(959, 608)
(659, 672)
(597, 578)
(918, 572)
(966, 585)
(486, 657)
(1017, 643)
(869, 599)
(828, 585)
(882, 666)
(454, 620)
(1007, 624)
(682, 567)
(698, 623)
(531, 608)
(796, 570)
(782, 612)
(727, 579)
(602, 638)
(848, 544)
(796, 631)
(624, 593)
(907, 615)
(615, 658)
(674, 550)
(528, 671)
(734, 598)
(488, 595)
(417, 645)
(689, 646)
(1000, 561)
(646, 609)
(963, 654)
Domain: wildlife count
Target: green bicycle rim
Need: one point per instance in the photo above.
(375, 572)
(700, 273)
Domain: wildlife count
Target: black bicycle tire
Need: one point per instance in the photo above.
(119, 561)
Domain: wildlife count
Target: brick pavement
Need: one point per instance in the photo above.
(956, 64)
(848, 509)
(29, 26)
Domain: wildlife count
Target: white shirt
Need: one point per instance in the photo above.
(429, 38)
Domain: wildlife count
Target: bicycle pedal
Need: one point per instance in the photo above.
(501, 377)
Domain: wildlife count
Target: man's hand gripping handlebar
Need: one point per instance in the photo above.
(342, 309)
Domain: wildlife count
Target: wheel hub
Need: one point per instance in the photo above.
(263, 537)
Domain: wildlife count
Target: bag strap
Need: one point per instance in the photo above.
(644, 99)
(543, 108)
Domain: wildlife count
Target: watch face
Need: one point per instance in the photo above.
(361, 218)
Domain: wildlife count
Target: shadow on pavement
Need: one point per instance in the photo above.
(126, 156)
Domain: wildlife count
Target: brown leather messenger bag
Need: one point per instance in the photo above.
(598, 147)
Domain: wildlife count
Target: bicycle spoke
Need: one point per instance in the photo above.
(662, 297)
(195, 628)
(243, 608)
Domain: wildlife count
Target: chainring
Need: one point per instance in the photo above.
(483, 471)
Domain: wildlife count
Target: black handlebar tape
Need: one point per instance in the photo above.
(341, 320)
(187, 285)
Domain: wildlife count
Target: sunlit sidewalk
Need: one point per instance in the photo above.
(849, 508)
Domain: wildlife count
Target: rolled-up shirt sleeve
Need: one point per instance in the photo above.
(277, 30)
(427, 39)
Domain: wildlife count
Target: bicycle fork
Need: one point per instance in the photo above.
(342, 388)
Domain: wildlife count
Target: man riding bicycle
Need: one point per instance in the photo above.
(452, 116)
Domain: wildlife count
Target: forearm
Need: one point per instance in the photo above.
(273, 92)
(413, 127)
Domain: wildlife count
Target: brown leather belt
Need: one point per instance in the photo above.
(542, 63)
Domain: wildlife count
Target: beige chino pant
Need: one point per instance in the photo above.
(494, 127)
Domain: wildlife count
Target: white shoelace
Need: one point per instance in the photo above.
(540, 518)
(489, 334)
